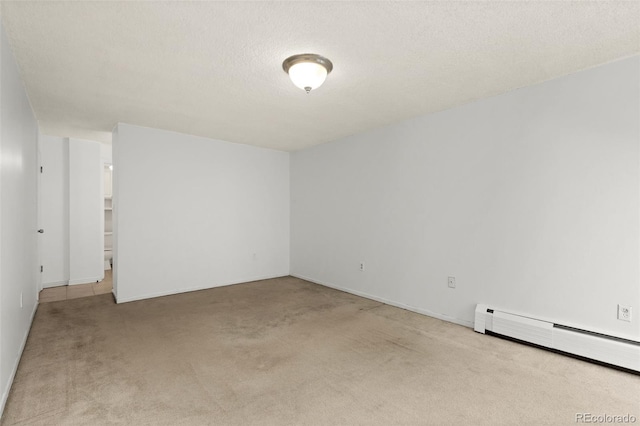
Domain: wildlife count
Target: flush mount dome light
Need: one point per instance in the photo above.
(307, 71)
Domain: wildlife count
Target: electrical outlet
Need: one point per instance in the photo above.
(624, 313)
(361, 266)
(451, 282)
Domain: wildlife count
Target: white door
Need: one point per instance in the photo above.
(53, 211)
(39, 211)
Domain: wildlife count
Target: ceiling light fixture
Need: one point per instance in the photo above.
(308, 70)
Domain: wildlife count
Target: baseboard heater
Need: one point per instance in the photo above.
(611, 350)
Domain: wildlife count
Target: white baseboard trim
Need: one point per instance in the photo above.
(7, 389)
(198, 288)
(90, 280)
(389, 302)
(55, 284)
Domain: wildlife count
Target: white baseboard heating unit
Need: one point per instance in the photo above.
(606, 349)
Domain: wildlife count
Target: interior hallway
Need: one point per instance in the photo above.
(65, 292)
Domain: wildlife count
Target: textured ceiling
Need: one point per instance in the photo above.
(214, 68)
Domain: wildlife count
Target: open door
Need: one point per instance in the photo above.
(39, 211)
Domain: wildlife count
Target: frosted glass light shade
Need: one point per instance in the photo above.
(307, 71)
(307, 75)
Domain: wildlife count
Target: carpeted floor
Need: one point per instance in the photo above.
(288, 352)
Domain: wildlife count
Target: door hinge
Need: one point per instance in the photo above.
(41, 268)
(40, 169)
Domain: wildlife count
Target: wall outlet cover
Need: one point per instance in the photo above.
(624, 313)
(451, 282)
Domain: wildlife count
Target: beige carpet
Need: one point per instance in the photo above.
(288, 352)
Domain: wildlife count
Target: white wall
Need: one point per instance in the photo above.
(54, 210)
(530, 199)
(86, 212)
(105, 153)
(18, 217)
(114, 217)
(192, 213)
